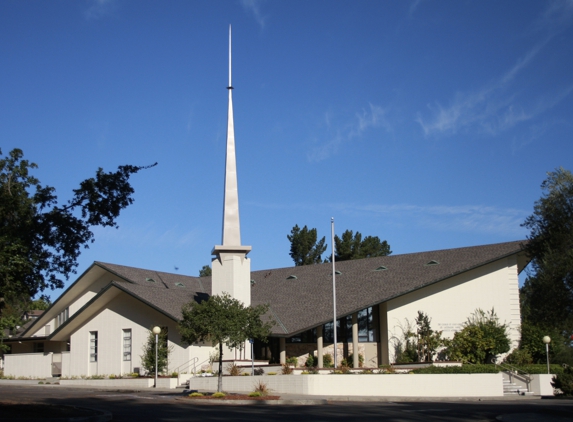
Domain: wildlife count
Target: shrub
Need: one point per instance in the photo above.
(163, 352)
(387, 369)
(196, 394)
(311, 361)
(218, 395)
(349, 361)
(272, 373)
(41, 382)
(246, 374)
(259, 371)
(255, 394)
(233, 370)
(293, 360)
(519, 357)
(464, 369)
(174, 375)
(261, 388)
(287, 370)
(564, 381)
(327, 360)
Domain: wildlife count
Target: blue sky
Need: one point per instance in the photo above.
(430, 124)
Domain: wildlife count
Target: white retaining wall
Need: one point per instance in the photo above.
(391, 385)
(33, 365)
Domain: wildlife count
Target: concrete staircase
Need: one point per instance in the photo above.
(512, 389)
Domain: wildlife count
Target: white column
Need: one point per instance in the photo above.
(319, 345)
(356, 361)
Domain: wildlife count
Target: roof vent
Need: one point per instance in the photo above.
(149, 279)
(381, 268)
(337, 272)
(432, 262)
(292, 277)
(253, 282)
(179, 284)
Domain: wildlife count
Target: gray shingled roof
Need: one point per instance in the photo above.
(304, 302)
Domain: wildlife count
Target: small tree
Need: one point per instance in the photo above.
(163, 352)
(428, 340)
(223, 320)
(305, 249)
(482, 339)
(205, 271)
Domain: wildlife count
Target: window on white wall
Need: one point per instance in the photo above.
(93, 346)
(38, 347)
(62, 317)
(127, 345)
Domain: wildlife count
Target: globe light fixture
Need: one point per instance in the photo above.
(547, 340)
(156, 330)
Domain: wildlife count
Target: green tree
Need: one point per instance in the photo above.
(163, 352)
(482, 338)
(304, 247)
(40, 240)
(547, 294)
(351, 246)
(40, 304)
(205, 271)
(428, 340)
(225, 321)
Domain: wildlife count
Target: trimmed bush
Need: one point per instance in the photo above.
(564, 381)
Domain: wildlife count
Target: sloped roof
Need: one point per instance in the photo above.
(305, 300)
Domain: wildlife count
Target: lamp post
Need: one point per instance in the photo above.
(156, 330)
(547, 340)
(333, 290)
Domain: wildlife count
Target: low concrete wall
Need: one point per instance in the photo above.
(114, 383)
(33, 365)
(541, 384)
(391, 385)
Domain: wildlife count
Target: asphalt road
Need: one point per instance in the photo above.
(168, 406)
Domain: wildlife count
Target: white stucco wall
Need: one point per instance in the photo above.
(124, 312)
(404, 385)
(449, 303)
(33, 365)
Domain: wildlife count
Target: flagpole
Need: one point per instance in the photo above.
(333, 289)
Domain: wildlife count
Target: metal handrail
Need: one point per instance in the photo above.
(513, 370)
(190, 362)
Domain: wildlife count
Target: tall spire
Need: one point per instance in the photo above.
(231, 222)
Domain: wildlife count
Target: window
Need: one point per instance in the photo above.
(127, 345)
(93, 346)
(38, 347)
(62, 317)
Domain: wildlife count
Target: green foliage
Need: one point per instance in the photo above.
(428, 340)
(40, 240)
(482, 339)
(311, 361)
(564, 381)
(464, 369)
(547, 295)
(286, 369)
(40, 304)
(519, 357)
(255, 394)
(304, 248)
(233, 370)
(223, 320)
(351, 246)
(196, 394)
(262, 388)
(218, 395)
(205, 271)
(349, 361)
(163, 352)
(327, 360)
(293, 360)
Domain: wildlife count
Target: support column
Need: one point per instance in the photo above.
(282, 345)
(383, 357)
(319, 350)
(356, 361)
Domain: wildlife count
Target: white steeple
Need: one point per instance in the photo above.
(231, 267)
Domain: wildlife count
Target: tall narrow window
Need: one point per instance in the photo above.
(93, 346)
(127, 345)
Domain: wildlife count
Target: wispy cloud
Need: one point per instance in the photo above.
(440, 218)
(369, 118)
(254, 7)
(491, 108)
(98, 9)
(414, 5)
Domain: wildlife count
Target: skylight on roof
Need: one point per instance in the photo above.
(292, 277)
(432, 262)
(149, 279)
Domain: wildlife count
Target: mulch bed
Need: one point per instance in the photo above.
(234, 397)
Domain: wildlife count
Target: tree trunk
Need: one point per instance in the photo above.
(220, 375)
